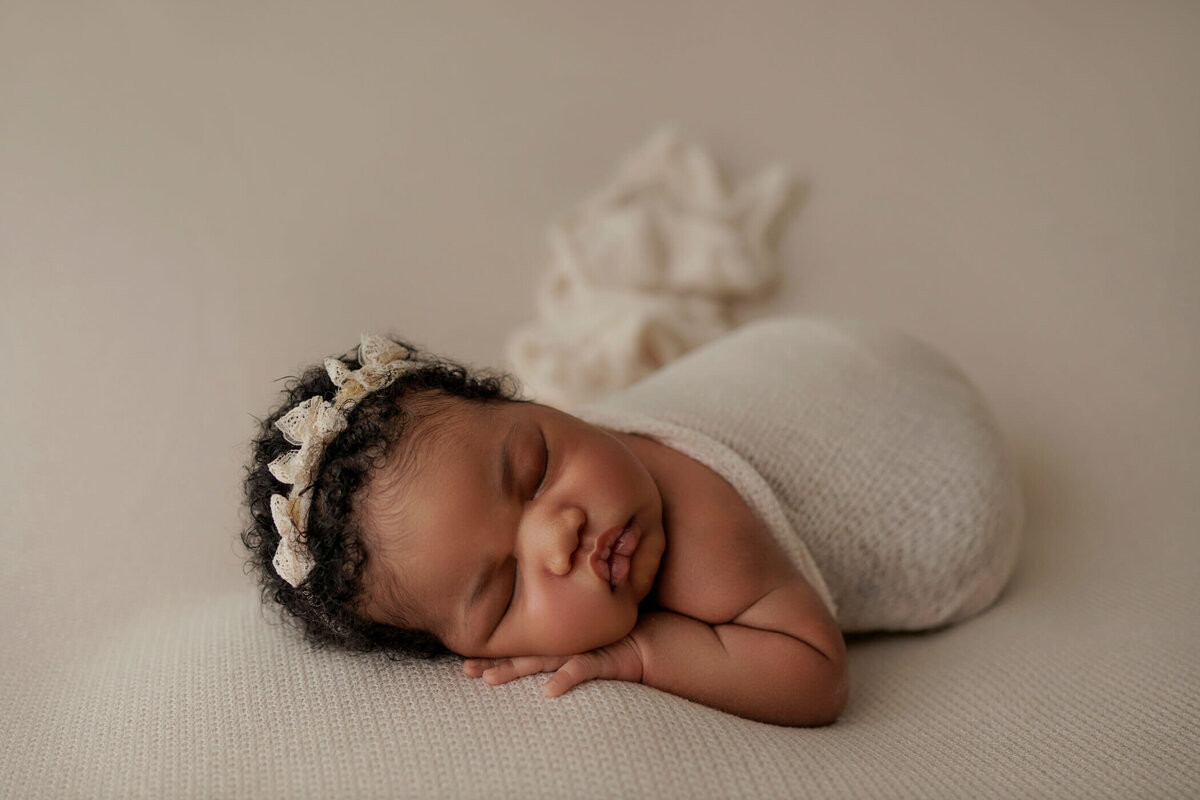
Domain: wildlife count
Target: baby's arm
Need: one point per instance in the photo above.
(782, 660)
(769, 663)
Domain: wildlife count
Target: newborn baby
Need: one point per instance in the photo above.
(709, 532)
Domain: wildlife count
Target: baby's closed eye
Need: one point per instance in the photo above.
(525, 461)
(542, 465)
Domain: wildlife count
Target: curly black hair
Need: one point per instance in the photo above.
(327, 604)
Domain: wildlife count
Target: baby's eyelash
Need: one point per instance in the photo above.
(545, 466)
(512, 595)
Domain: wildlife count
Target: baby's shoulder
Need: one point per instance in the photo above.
(720, 557)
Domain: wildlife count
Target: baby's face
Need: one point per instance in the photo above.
(518, 530)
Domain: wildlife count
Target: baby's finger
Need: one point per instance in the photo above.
(576, 671)
(512, 668)
(475, 667)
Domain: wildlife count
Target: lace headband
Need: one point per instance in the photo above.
(311, 426)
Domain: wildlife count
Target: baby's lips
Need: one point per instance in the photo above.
(622, 555)
(598, 564)
(627, 542)
(606, 549)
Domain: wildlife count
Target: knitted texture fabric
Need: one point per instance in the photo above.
(898, 500)
(205, 700)
(1081, 683)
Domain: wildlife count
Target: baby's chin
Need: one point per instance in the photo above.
(586, 641)
(600, 639)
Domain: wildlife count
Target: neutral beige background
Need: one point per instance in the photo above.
(197, 198)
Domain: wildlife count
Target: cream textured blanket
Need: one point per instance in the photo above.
(645, 269)
(874, 462)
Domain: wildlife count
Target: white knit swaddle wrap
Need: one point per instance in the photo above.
(874, 462)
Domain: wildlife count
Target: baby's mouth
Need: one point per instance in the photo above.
(614, 553)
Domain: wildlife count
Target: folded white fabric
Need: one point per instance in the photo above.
(646, 269)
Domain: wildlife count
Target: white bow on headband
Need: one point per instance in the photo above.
(312, 425)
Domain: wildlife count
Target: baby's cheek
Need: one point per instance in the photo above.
(574, 626)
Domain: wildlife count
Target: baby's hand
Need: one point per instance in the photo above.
(620, 661)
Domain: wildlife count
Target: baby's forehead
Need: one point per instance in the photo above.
(436, 430)
(401, 492)
(458, 422)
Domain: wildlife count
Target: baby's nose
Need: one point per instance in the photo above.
(562, 540)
